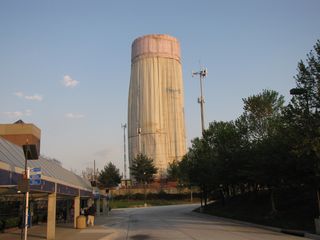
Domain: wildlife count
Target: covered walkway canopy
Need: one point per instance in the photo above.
(55, 181)
(54, 177)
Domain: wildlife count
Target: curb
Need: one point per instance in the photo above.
(274, 229)
(312, 236)
(294, 232)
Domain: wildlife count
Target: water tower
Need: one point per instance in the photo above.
(156, 124)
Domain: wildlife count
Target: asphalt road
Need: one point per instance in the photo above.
(179, 222)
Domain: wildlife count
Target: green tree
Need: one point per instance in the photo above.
(143, 169)
(201, 166)
(262, 112)
(173, 171)
(109, 176)
(304, 107)
(226, 145)
(269, 146)
(263, 118)
(213, 161)
(303, 119)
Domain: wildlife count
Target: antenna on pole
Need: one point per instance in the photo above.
(124, 126)
(202, 74)
(94, 170)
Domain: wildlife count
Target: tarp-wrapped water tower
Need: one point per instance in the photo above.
(156, 124)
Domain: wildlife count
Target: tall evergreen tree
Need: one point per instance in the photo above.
(303, 118)
(143, 169)
(173, 171)
(262, 112)
(109, 176)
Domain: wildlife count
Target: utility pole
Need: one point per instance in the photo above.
(27, 208)
(139, 139)
(202, 74)
(29, 154)
(94, 170)
(26, 179)
(124, 126)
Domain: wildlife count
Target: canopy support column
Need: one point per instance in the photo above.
(51, 220)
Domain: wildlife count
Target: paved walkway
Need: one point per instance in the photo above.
(64, 232)
(170, 222)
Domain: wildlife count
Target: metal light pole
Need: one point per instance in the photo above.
(94, 170)
(26, 178)
(202, 74)
(301, 91)
(124, 126)
(145, 190)
(139, 139)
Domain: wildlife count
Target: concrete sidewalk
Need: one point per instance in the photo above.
(64, 232)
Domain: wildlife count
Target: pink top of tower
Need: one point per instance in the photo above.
(155, 45)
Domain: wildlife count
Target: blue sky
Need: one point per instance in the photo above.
(65, 65)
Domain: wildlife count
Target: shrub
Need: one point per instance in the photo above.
(11, 222)
(2, 225)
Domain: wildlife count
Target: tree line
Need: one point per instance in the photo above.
(142, 170)
(269, 146)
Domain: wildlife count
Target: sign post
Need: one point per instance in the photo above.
(35, 176)
(27, 209)
(30, 153)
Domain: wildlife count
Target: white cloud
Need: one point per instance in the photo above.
(18, 94)
(35, 97)
(27, 112)
(18, 114)
(74, 115)
(69, 82)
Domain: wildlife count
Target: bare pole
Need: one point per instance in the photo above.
(139, 139)
(26, 210)
(94, 170)
(202, 74)
(26, 177)
(124, 126)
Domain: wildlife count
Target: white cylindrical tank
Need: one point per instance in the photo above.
(156, 125)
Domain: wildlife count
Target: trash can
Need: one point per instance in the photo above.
(81, 222)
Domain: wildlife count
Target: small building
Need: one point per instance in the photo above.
(21, 133)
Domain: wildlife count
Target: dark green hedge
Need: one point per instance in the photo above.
(9, 223)
(153, 196)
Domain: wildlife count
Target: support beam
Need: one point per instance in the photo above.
(104, 206)
(51, 220)
(69, 205)
(76, 210)
(98, 206)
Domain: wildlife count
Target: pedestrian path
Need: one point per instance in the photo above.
(64, 232)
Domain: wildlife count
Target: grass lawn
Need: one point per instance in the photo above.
(296, 209)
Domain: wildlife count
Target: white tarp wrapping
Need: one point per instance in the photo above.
(155, 104)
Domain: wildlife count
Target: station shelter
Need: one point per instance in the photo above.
(58, 196)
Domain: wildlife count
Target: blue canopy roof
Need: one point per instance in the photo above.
(12, 160)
